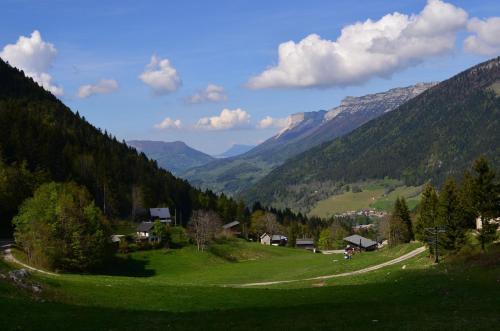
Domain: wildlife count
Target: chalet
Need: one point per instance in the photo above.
(305, 243)
(232, 227)
(361, 242)
(144, 231)
(162, 214)
(276, 240)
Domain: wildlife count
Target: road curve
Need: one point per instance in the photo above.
(7, 254)
(351, 273)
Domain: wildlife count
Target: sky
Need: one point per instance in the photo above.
(216, 73)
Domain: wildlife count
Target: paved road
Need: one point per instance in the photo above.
(5, 247)
(352, 273)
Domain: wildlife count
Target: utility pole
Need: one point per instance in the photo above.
(433, 239)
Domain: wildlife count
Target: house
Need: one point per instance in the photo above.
(276, 240)
(305, 243)
(162, 214)
(144, 231)
(232, 227)
(361, 242)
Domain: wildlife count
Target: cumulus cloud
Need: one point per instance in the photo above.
(104, 86)
(228, 119)
(212, 93)
(270, 122)
(168, 123)
(486, 36)
(34, 56)
(365, 49)
(161, 76)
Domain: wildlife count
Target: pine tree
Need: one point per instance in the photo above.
(400, 224)
(486, 200)
(452, 216)
(428, 211)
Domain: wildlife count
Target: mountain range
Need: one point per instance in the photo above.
(235, 150)
(175, 156)
(434, 135)
(303, 131)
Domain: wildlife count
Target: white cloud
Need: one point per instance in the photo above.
(168, 123)
(104, 86)
(34, 56)
(228, 119)
(365, 49)
(212, 93)
(270, 122)
(486, 36)
(161, 76)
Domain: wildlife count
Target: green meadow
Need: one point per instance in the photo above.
(189, 290)
(372, 196)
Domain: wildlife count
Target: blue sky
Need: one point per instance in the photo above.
(226, 43)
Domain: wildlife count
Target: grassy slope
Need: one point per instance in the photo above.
(372, 196)
(418, 297)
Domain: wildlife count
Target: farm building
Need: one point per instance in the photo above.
(305, 243)
(361, 242)
(276, 240)
(232, 227)
(144, 231)
(162, 214)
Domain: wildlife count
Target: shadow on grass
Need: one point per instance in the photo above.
(126, 266)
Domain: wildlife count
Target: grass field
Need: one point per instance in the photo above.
(372, 197)
(174, 291)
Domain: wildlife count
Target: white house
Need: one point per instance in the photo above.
(277, 239)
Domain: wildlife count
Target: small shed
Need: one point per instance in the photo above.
(305, 243)
(361, 242)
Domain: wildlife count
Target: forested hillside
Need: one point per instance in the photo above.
(436, 134)
(43, 140)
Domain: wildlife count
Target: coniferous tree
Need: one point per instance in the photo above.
(485, 200)
(428, 211)
(400, 224)
(452, 216)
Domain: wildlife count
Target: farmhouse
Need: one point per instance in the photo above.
(361, 242)
(162, 214)
(276, 240)
(305, 243)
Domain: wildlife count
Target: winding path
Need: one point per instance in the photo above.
(351, 273)
(5, 246)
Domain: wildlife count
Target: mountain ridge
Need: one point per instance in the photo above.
(438, 133)
(175, 156)
(304, 131)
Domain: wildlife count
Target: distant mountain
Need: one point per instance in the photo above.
(235, 150)
(176, 156)
(438, 133)
(304, 131)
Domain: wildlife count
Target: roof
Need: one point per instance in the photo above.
(145, 226)
(230, 225)
(304, 242)
(161, 213)
(360, 241)
(275, 236)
